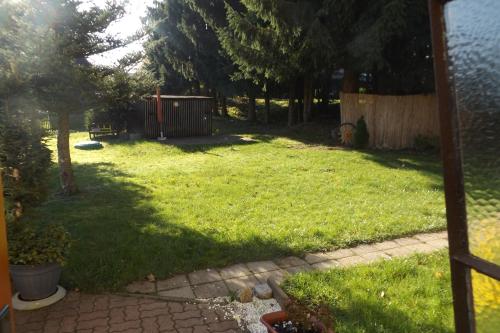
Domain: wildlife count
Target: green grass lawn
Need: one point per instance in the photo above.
(402, 295)
(146, 207)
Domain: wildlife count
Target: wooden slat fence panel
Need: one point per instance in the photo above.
(393, 121)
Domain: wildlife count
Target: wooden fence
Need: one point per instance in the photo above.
(182, 116)
(393, 121)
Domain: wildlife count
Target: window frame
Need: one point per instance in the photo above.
(461, 259)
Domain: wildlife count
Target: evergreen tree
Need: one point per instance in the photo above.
(64, 35)
(391, 40)
(284, 41)
(24, 156)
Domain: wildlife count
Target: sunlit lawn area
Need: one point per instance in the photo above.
(147, 207)
(401, 295)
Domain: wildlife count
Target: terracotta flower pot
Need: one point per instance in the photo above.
(35, 282)
(272, 318)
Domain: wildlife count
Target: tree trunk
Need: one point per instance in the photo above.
(216, 103)
(291, 104)
(68, 185)
(223, 101)
(308, 98)
(252, 114)
(267, 108)
(300, 107)
(350, 82)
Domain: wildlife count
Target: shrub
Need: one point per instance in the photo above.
(24, 160)
(30, 245)
(361, 135)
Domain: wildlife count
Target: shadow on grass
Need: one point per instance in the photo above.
(120, 235)
(363, 315)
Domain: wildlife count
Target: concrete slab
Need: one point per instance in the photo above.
(211, 290)
(290, 262)
(234, 271)
(204, 276)
(262, 266)
(241, 282)
(183, 292)
(175, 282)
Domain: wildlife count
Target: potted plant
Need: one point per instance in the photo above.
(36, 255)
(297, 318)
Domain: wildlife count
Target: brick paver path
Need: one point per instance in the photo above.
(84, 313)
(212, 283)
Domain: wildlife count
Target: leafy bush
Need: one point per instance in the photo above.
(426, 143)
(361, 135)
(24, 160)
(30, 245)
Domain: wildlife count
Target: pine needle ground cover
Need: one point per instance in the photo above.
(402, 295)
(146, 207)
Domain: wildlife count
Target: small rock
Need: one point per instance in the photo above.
(245, 295)
(263, 291)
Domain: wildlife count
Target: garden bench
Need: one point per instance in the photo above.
(104, 130)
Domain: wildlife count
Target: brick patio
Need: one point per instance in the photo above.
(170, 306)
(84, 313)
(212, 283)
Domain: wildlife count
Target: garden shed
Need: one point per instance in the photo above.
(178, 116)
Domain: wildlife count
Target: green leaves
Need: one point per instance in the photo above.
(30, 245)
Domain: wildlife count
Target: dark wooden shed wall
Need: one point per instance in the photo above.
(191, 117)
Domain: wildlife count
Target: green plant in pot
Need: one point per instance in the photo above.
(36, 255)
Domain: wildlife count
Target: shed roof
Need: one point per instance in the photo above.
(180, 97)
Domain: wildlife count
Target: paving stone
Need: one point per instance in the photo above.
(325, 265)
(241, 282)
(141, 287)
(313, 258)
(374, 256)
(278, 275)
(290, 262)
(165, 322)
(407, 241)
(94, 315)
(223, 326)
(204, 276)
(187, 314)
(191, 322)
(175, 282)
(386, 245)
(338, 254)
(149, 325)
(442, 234)
(153, 306)
(211, 290)
(132, 324)
(234, 271)
(422, 248)
(184, 292)
(428, 237)
(351, 261)
(438, 243)
(88, 324)
(262, 266)
(401, 251)
(299, 269)
(362, 249)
